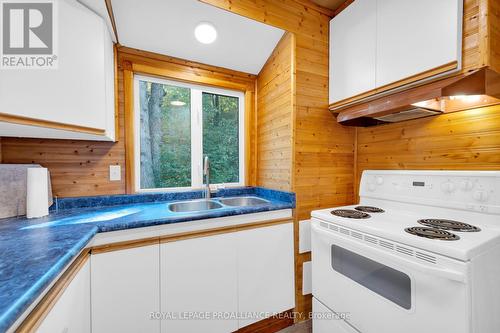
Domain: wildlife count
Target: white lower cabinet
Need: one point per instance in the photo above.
(126, 290)
(265, 271)
(71, 313)
(250, 273)
(196, 284)
(198, 276)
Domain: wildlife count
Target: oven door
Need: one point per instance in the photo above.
(384, 292)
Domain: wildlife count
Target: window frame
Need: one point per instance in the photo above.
(197, 91)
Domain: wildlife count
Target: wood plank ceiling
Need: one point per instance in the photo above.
(331, 4)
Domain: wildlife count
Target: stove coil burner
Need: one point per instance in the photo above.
(369, 209)
(449, 225)
(432, 233)
(351, 214)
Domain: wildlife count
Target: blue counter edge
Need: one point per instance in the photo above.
(19, 307)
(283, 200)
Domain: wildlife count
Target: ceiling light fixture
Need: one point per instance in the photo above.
(205, 33)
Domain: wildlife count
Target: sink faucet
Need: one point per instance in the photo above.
(206, 173)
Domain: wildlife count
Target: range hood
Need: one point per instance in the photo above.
(475, 89)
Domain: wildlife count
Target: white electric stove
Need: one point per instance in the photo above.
(419, 253)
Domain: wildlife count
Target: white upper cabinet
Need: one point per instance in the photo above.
(416, 36)
(352, 50)
(74, 100)
(376, 43)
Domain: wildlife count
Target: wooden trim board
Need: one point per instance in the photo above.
(41, 310)
(117, 94)
(401, 84)
(271, 324)
(128, 88)
(21, 120)
(173, 73)
(249, 124)
(342, 7)
(128, 244)
(109, 8)
(222, 230)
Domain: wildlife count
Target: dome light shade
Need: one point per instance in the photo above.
(205, 33)
(177, 103)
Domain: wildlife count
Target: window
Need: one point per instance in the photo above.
(176, 125)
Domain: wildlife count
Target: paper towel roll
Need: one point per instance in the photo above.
(37, 193)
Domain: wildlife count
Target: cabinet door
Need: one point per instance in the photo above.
(71, 313)
(75, 92)
(416, 36)
(265, 270)
(199, 276)
(125, 290)
(352, 50)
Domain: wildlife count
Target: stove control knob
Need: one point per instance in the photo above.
(448, 187)
(480, 196)
(466, 185)
(372, 187)
(379, 180)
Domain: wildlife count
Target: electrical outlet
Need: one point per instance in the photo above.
(115, 173)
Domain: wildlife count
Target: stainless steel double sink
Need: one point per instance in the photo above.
(201, 205)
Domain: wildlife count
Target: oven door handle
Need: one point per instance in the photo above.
(353, 245)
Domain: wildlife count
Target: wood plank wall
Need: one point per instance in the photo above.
(467, 140)
(275, 105)
(473, 55)
(481, 34)
(323, 151)
(494, 34)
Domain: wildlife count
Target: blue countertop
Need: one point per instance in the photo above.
(33, 252)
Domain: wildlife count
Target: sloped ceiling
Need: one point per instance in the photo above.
(167, 27)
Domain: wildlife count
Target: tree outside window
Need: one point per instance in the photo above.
(177, 125)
